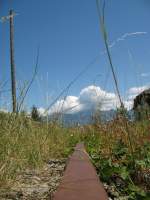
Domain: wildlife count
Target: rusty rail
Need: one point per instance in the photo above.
(80, 181)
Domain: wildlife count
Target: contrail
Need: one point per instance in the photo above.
(123, 37)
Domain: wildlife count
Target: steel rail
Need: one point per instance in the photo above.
(80, 180)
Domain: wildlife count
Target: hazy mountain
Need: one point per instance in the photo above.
(83, 117)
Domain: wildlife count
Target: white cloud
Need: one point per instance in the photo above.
(41, 111)
(93, 97)
(70, 104)
(137, 90)
(134, 91)
(4, 110)
(128, 104)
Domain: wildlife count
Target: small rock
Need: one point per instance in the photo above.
(36, 184)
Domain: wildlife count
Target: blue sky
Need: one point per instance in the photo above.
(69, 37)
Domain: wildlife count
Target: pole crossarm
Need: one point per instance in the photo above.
(5, 18)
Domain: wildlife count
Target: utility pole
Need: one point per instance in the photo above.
(12, 61)
(10, 17)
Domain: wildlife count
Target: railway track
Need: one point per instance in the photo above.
(80, 180)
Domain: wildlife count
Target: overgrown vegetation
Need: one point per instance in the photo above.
(126, 170)
(27, 144)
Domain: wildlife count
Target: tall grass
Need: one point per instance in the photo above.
(101, 15)
(26, 144)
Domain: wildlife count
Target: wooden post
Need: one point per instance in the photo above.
(12, 61)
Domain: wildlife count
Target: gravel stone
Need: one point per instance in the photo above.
(36, 184)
